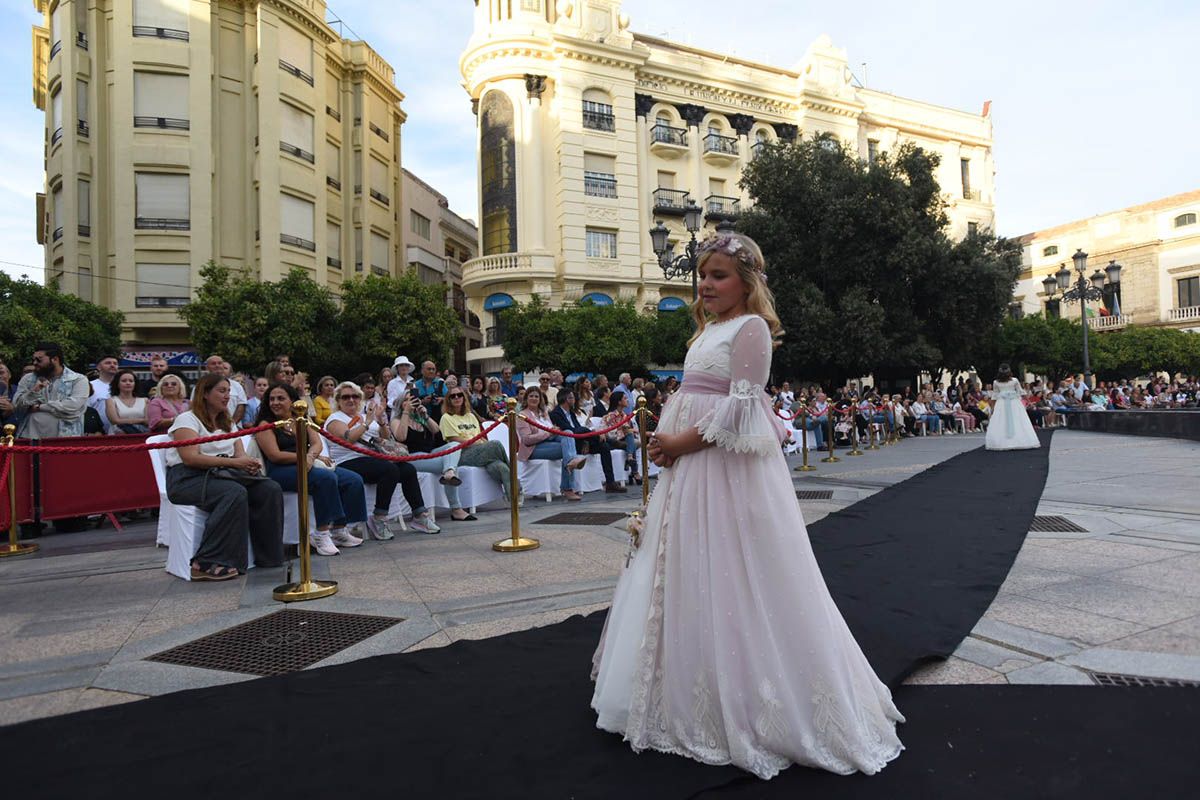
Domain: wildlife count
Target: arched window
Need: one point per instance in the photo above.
(598, 110)
(1185, 219)
(498, 174)
(1052, 250)
(596, 299)
(671, 304)
(498, 302)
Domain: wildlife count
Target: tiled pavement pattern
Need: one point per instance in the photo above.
(1121, 598)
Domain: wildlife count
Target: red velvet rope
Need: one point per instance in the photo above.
(133, 448)
(418, 456)
(587, 435)
(8, 459)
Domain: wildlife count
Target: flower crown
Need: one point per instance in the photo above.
(733, 247)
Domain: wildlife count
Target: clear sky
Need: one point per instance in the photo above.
(1096, 103)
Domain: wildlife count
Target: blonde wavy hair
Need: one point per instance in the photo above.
(751, 267)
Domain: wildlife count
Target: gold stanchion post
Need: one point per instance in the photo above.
(516, 542)
(871, 430)
(306, 588)
(643, 439)
(805, 467)
(831, 458)
(14, 547)
(853, 451)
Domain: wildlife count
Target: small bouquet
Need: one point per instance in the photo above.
(635, 526)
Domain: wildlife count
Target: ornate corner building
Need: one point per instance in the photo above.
(589, 133)
(246, 132)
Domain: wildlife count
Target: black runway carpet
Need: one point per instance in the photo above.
(912, 568)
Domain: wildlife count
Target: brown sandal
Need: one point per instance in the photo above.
(213, 572)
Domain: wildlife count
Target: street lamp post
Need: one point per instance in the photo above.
(677, 266)
(1083, 289)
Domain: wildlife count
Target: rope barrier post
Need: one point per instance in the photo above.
(805, 467)
(831, 458)
(307, 588)
(516, 542)
(889, 424)
(13, 547)
(643, 439)
(854, 451)
(871, 431)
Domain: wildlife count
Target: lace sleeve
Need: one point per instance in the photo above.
(743, 421)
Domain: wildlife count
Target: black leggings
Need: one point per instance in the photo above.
(385, 475)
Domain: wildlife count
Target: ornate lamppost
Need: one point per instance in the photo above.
(676, 266)
(1083, 289)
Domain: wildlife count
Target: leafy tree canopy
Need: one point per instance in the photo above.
(863, 273)
(31, 313)
(383, 317)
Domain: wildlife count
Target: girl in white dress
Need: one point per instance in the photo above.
(1009, 428)
(723, 643)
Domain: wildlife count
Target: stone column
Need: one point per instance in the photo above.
(693, 115)
(642, 105)
(535, 214)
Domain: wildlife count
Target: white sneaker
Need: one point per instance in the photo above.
(343, 538)
(424, 524)
(395, 526)
(323, 543)
(378, 529)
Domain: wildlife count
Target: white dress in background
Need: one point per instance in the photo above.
(1009, 427)
(723, 643)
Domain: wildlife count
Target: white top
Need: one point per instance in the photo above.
(101, 392)
(190, 421)
(341, 454)
(396, 389)
(237, 397)
(137, 410)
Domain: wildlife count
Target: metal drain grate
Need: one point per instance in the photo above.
(815, 494)
(583, 518)
(1114, 679)
(278, 643)
(1055, 525)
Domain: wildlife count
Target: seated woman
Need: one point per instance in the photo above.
(543, 445)
(623, 438)
(477, 398)
(126, 413)
(221, 479)
(968, 420)
(938, 406)
(921, 412)
(460, 425)
(350, 423)
(337, 493)
(414, 429)
(585, 398)
(323, 402)
(169, 401)
(495, 402)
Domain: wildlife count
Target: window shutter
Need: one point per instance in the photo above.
(333, 161)
(379, 176)
(163, 280)
(171, 14)
(666, 180)
(56, 24)
(593, 162)
(296, 217)
(57, 220)
(333, 240)
(596, 96)
(159, 95)
(56, 111)
(85, 284)
(295, 48)
(379, 251)
(162, 195)
(333, 92)
(81, 100)
(296, 127)
(85, 203)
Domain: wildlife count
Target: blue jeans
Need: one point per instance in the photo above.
(557, 448)
(933, 423)
(812, 424)
(439, 465)
(337, 494)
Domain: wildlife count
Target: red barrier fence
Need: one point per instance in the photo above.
(21, 471)
(96, 483)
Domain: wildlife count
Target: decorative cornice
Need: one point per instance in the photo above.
(742, 123)
(852, 112)
(692, 114)
(759, 103)
(535, 85)
(785, 131)
(294, 12)
(642, 103)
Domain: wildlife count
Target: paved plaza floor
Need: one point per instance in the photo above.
(1120, 597)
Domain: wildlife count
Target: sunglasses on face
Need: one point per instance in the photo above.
(455, 396)
(350, 397)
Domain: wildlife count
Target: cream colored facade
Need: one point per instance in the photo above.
(183, 131)
(437, 242)
(1157, 245)
(590, 133)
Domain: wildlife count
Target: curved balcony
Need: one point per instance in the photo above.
(1111, 322)
(507, 267)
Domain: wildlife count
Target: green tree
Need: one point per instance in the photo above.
(383, 317)
(31, 313)
(864, 276)
(587, 337)
(249, 321)
(669, 333)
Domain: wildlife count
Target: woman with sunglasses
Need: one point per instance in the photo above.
(337, 493)
(414, 428)
(539, 444)
(459, 425)
(349, 422)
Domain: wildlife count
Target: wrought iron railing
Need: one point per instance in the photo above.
(336, 263)
(160, 302)
(81, 40)
(56, 137)
(670, 201)
(58, 234)
(381, 197)
(724, 145)
(296, 241)
(82, 127)
(378, 131)
(493, 337)
(292, 150)
(716, 205)
(162, 224)
(160, 33)
(598, 116)
(55, 49)
(333, 112)
(173, 123)
(85, 231)
(334, 182)
(665, 134)
(599, 184)
(292, 69)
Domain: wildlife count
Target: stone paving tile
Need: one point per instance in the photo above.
(1050, 672)
(49, 704)
(954, 671)
(992, 656)
(98, 698)
(1022, 578)
(463, 585)
(1058, 620)
(439, 639)
(1166, 639)
(1119, 600)
(1127, 551)
(497, 627)
(1174, 576)
(1061, 559)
